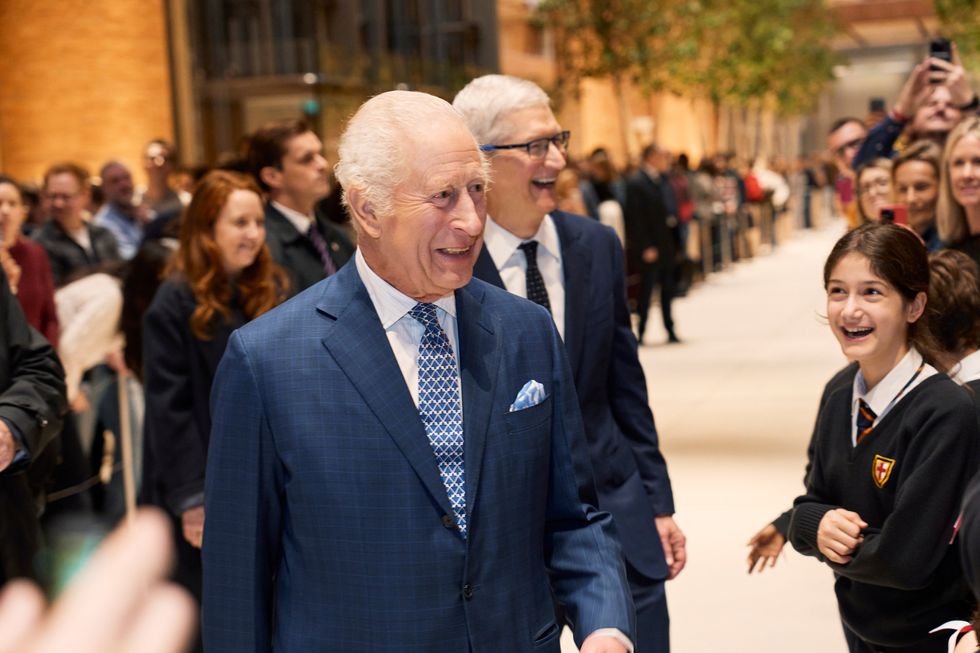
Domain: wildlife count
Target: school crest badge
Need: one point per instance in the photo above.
(881, 469)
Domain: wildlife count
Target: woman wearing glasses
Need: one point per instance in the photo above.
(874, 189)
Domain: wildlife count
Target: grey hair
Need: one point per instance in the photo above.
(485, 100)
(372, 154)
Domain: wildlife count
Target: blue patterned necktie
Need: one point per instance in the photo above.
(536, 290)
(440, 407)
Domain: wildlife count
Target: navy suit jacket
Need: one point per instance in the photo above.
(630, 472)
(328, 526)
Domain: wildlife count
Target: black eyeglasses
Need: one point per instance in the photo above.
(538, 148)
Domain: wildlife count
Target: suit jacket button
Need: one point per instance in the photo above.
(448, 521)
(467, 591)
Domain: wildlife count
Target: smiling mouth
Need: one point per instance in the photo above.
(856, 334)
(544, 183)
(456, 251)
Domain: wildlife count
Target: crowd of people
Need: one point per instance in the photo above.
(378, 447)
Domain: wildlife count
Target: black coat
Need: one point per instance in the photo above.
(178, 371)
(67, 257)
(645, 217)
(32, 400)
(296, 253)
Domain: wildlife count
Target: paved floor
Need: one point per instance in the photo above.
(735, 406)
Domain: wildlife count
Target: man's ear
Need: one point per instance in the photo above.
(362, 211)
(271, 177)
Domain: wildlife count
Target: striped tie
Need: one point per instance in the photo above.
(322, 249)
(865, 420)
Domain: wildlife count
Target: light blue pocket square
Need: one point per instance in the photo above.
(530, 395)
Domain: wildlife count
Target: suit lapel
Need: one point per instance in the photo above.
(478, 357)
(358, 343)
(576, 263)
(487, 270)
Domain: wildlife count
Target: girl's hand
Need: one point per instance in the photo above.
(839, 534)
(766, 546)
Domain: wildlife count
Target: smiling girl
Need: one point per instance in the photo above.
(893, 452)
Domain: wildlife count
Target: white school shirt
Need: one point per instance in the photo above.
(512, 264)
(967, 369)
(883, 397)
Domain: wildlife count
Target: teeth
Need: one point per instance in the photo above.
(456, 250)
(858, 332)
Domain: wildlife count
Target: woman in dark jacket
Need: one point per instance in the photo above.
(221, 276)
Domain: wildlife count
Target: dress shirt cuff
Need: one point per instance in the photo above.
(22, 455)
(616, 634)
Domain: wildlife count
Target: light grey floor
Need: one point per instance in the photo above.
(735, 406)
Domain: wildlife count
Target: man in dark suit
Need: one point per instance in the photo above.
(649, 237)
(32, 401)
(574, 266)
(287, 160)
(395, 461)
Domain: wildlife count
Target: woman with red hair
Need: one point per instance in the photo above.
(221, 276)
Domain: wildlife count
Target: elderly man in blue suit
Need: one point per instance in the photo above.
(393, 463)
(573, 266)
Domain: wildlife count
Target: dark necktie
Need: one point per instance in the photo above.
(865, 419)
(323, 249)
(536, 291)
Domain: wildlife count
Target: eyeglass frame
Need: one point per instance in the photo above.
(559, 140)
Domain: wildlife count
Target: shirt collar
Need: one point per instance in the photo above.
(882, 395)
(968, 369)
(390, 303)
(502, 245)
(297, 219)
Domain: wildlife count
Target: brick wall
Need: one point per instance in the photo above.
(84, 81)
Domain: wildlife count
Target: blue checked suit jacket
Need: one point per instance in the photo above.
(328, 526)
(629, 470)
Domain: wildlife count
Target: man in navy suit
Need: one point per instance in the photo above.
(394, 461)
(574, 267)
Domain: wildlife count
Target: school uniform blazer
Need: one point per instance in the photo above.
(328, 526)
(296, 253)
(630, 472)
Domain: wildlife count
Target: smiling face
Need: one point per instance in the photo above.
(917, 187)
(523, 187)
(964, 171)
(874, 192)
(428, 245)
(239, 231)
(845, 142)
(869, 317)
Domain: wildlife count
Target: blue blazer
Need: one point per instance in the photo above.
(630, 472)
(328, 526)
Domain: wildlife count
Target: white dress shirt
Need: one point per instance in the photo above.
(404, 331)
(967, 369)
(512, 264)
(883, 397)
(297, 219)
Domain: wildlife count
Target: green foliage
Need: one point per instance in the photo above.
(735, 50)
(961, 22)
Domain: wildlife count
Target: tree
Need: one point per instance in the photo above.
(961, 22)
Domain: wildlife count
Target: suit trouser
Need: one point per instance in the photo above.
(652, 618)
(661, 274)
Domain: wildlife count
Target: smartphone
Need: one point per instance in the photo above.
(894, 214)
(876, 105)
(940, 49)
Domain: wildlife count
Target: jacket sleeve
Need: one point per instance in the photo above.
(581, 548)
(880, 142)
(170, 430)
(33, 399)
(627, 392)
(244, 513)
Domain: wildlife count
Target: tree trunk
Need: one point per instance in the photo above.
(624, 116)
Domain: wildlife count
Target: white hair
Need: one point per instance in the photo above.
(487, 99)
(374, 152)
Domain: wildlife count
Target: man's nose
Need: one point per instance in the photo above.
(556, 156)
(469, 217)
